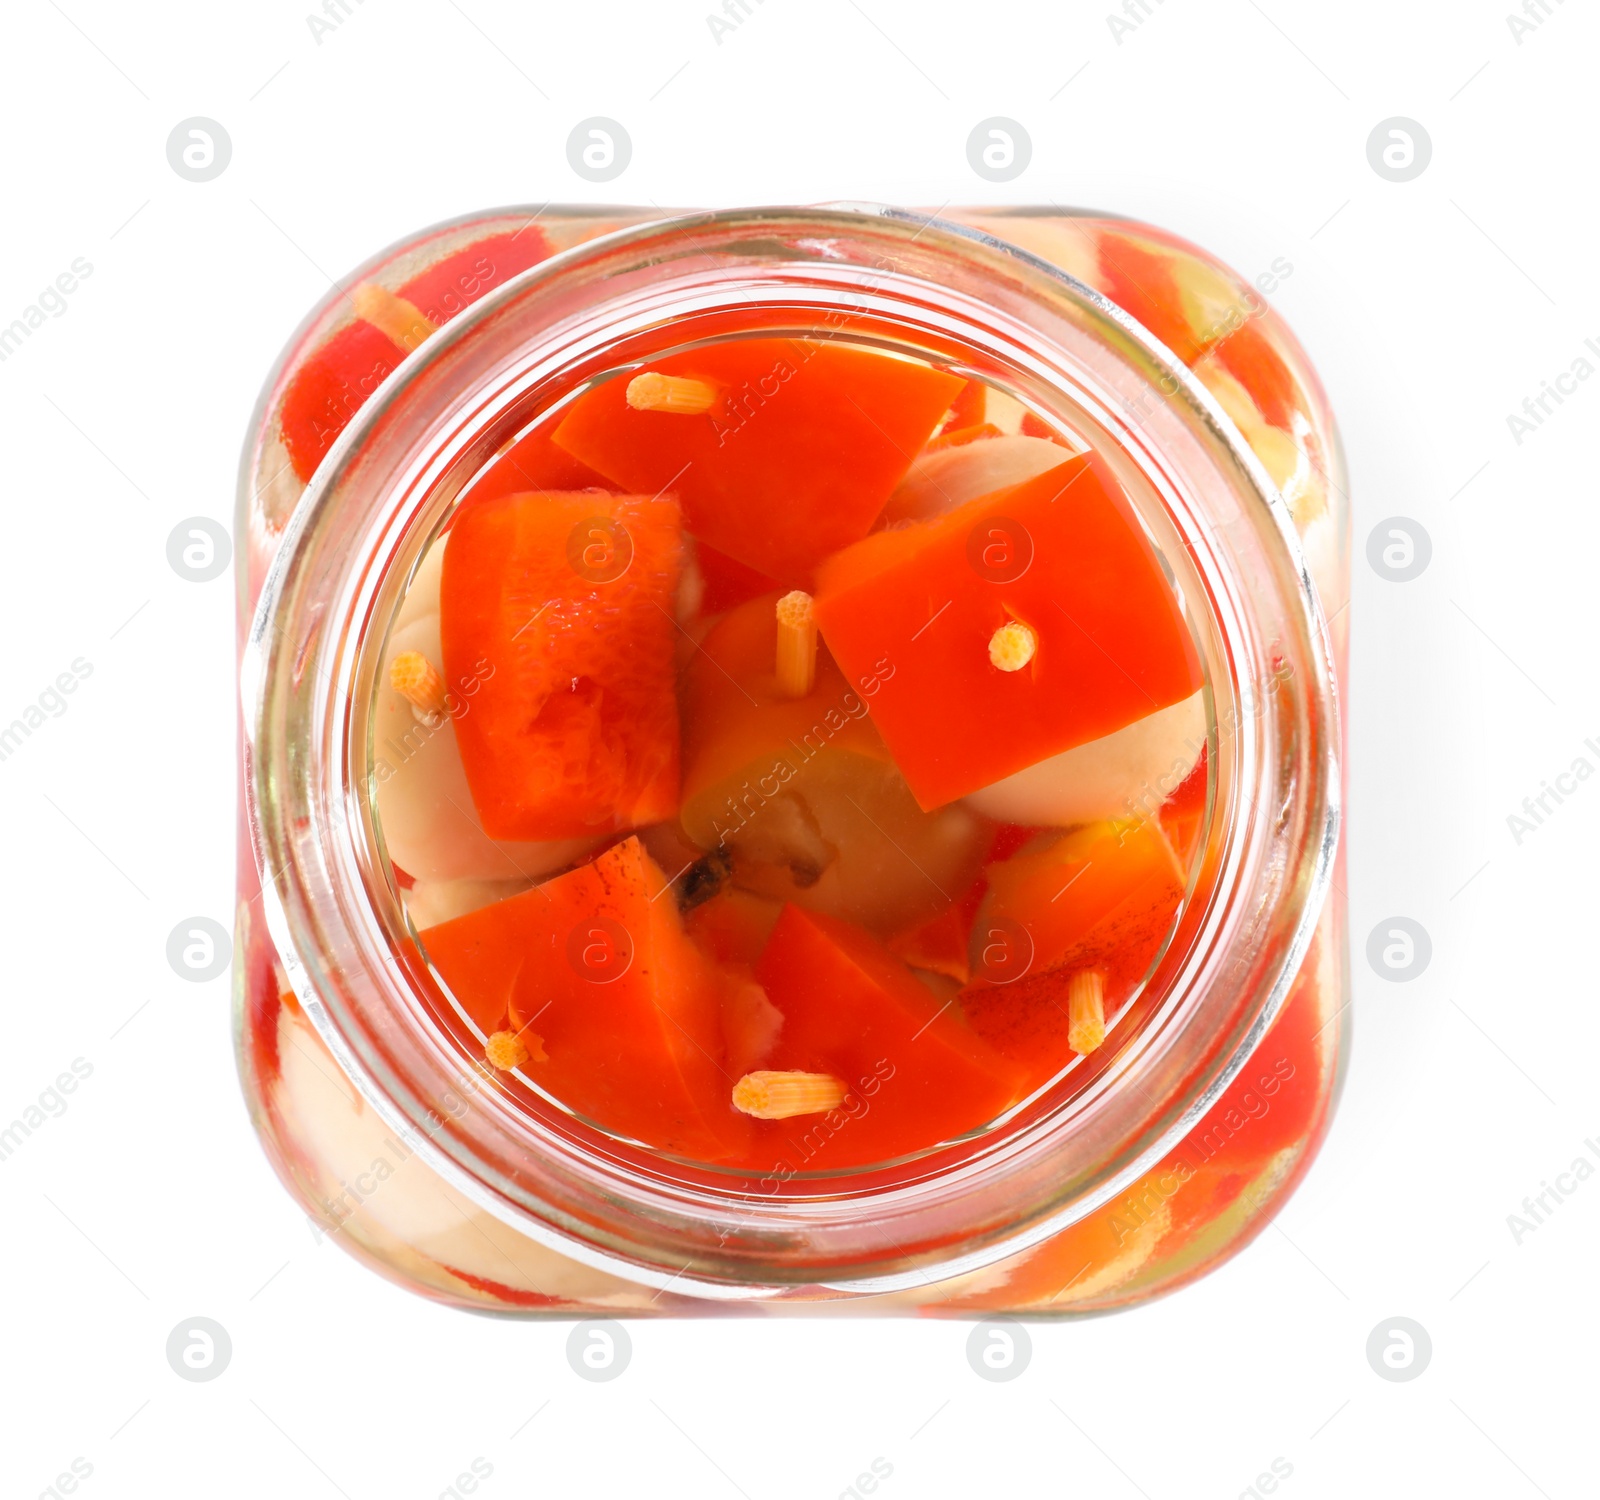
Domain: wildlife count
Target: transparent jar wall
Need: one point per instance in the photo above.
(1207, 1197)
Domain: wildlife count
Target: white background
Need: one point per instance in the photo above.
(1432, 308)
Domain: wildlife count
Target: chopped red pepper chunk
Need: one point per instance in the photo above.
(1037, 427)
(1182, 815)
(1140, 278)
(1253, 361)
(734, 925)
(335, 379)
(939, 945)
(628, 1010)
(1061, 554)
(959, 437)
(559, 608)
(452, 285)
(1072, 891)
(916, 1074)
(330, 388)
(1103, 897)
(726, 581)
(968, 408)
(795, 458)
(534, 462)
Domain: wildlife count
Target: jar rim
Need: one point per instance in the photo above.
(300, 682)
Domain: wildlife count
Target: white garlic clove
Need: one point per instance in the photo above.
(948, 477)
(424, 805)
(1128, 773)
(430, 902)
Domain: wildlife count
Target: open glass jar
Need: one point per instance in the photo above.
(1100, 1175)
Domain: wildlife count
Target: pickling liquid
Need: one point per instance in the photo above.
(783, 709)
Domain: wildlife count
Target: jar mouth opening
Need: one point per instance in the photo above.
(336, 914)
(1129, 1012)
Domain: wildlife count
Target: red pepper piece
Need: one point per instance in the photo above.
(335, 380)
(1073, 892)
(1270, 1110)
(1272, 1105)
(1141, 281)
(452, 285)
(559, 607)
(1034, 426)
(794, 460)
(939, 945)
(1183, 813)
(916, 1074)
(627, 1009)
(534, 462)
(968, 409)
(330, 388)
(734, 925)
(516, 1296)
(1252, 361)
(959, 437)
(1101, 897)
(1060, 553)
(728, 583)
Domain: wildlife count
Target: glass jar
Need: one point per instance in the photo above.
(1180, 1141)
